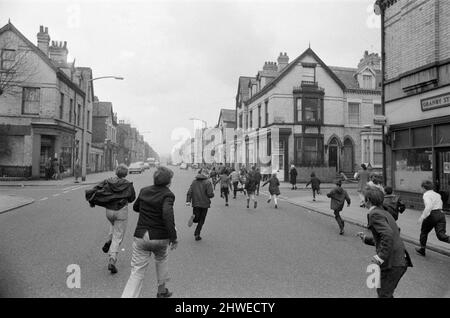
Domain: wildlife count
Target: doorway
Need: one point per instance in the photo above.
(443, 176)
(47, 151)
(333, 147)
(347, 164)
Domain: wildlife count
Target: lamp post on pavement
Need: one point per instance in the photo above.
(206, 125)
(83, 174)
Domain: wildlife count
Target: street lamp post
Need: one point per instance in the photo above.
(206, 125)
(83, 174)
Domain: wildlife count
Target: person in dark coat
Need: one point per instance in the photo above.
(199, 196)
(393, 203)
(55, 169)
(391, 254)
(274, 189)
(155, 233)
(338, 197)
(315, 185)
(250, 187)
(293, 177)
(258, 178)
(48, 169)
(114, 194)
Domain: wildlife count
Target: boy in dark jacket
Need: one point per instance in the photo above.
(114, 194)
(199, 196)
(274, 189)
(338, 197)
(315, 185)
(392, 203)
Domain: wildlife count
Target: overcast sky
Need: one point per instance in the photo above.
(182, 59)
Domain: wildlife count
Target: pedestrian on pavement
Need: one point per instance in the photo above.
(363, 177)
(258, 178)
(274, 189)
(293, 177)
(393, 203)
(338, 197)
(55, 169)
(199, 197)
(225, 184)
(432, 217)
(250, 187)
(235, 181)
(61, 168)
(77, 170)
(391, 255)
(48, 169)
(315, 185)
(155, 233)
(114, 194)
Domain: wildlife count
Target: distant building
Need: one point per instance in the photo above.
(105, 132)
(417, 96)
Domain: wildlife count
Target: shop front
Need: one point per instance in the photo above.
(421, 151)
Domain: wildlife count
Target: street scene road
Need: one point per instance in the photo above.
(262, 252)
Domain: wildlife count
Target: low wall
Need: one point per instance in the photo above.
(325, 174)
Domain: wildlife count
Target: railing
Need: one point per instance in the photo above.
(15, 172)
(308, 85)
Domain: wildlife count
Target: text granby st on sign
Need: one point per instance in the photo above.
(435, 102)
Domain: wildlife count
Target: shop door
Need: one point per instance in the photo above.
(47, 151)
(443, 176)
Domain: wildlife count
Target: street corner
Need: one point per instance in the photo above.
(12, 202)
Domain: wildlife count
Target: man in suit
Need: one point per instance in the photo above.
(391, 254)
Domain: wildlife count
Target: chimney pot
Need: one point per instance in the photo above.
(41, 28)
(46, 30)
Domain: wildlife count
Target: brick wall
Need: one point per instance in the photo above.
(417, 34)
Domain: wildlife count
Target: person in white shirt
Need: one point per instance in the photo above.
(432, 217)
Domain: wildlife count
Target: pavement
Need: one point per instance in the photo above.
(12, 202)
(407, 221)
(93, 178)
(254, 253)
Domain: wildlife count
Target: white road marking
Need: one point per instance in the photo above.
(43, 199)
(56, 195)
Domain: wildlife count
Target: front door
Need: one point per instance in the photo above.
(347, 164)
(443, 176)
(332, 156)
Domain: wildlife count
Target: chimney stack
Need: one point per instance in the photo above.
(43, 40)
(58, 52)
(372, 60)
(283, 61)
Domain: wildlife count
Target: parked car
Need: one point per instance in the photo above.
(184, 166)
(194, 166)
(136, 167)
(146, 166)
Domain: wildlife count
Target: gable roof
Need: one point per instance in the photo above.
(60, 74)
(290, 66)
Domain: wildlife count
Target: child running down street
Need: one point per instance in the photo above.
(274, 189)
(338, 197)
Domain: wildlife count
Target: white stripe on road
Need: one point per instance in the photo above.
(43, 199)
(56, 195)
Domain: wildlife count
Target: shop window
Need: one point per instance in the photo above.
(411, 168)
(421, 136)
(401, 139)
(443, 135)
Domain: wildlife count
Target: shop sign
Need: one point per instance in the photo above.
(447, 167)
(435, 102)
